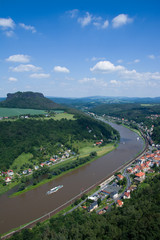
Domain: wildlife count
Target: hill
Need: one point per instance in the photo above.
(30, 100)
(31, 136)
(131, 111)
(90, 102)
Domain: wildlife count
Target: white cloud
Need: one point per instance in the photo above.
(40, 75)
(73, 13)
(85, 79)
(151, 56)
(61, 69)
(18, 58)
(9, 33)
(105, 24)
(25, 68)
(7, 23)
(145, 76)
(28, 27)
(86, 20)
(97, 58)
(115, 82)
(106, 66)
(12, 79)
(121, 20)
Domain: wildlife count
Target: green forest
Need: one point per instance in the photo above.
(130, 111)
(139, 218)
(41, 137)
(156, 131)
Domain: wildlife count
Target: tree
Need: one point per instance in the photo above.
(21, 187)
(99, 201)
(93, 154)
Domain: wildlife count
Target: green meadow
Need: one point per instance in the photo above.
(10, 112)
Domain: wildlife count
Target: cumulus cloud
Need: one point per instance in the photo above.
(106, 66)
(27, 27)
(18, 58)
(25, 68)
(61, 69)
(124, 73)
(121, 20)
(6, 23)
(145, 76)
(86, 20)
(40, 75)
(105, 24)
(12, 79)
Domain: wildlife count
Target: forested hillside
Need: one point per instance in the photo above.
(29, 100)
(156, 131)
(36, 136)
(130, 111)
(138, 219)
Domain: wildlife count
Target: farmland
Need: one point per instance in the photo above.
(10, 112)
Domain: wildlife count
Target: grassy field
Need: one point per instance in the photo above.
(22, 159)
(64, 115)
(15, 112)
(85, 148)
(10, 112)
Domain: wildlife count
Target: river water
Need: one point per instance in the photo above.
(35, 203)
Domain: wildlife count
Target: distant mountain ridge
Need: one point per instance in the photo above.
(104, 99)
(30, 100)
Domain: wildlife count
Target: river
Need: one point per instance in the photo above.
(35, 203)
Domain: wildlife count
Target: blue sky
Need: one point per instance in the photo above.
(80, 48)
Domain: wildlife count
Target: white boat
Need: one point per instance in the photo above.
(55, 189)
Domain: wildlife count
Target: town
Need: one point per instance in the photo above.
(118, 188)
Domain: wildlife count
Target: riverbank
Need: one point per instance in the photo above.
(101, 152)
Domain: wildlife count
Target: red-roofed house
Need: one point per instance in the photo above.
(120, 177)
(106, 208)
(148, 163)
(10, 173)
(127, 195)
(136, 168)
(119, 203)
(8, 179)
(129, 170)
(52, 159)
(30, 170)
(101, 212)
(139, 177)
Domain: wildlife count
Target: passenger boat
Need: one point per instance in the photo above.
(55, 189)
